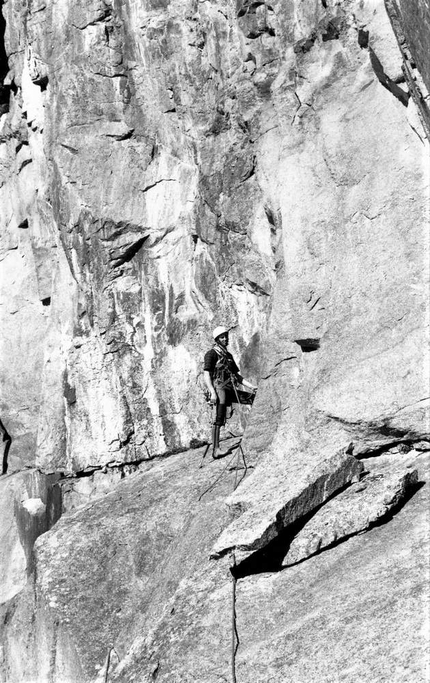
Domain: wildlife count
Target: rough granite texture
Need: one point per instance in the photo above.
(30, 504)
(353, 511)
(288, 494)
(126, 582)
(167, 166)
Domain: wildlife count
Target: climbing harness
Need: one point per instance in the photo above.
(223, 376)
(240, 401)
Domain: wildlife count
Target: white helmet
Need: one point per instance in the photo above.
(219, 330)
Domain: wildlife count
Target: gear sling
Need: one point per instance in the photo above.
(225, 384)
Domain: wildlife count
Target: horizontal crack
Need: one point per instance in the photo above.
(157, 182)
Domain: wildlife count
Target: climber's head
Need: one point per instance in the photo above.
(220, 334)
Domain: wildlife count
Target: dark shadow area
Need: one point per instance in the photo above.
(386, 81)
(129, 253)
(31, 526)
(331, 29)
(269, 559)
(53, 499)
(388, 517)
(7, 442)
(4, 66)
(308, 345)
(403, 446)
(363, 38)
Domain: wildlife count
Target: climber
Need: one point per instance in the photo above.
(221, 376)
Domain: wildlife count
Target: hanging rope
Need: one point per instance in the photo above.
(234, 633)
(237, 447)
(235, 642)
(238, 452)
(213, 484)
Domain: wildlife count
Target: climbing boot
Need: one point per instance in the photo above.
(218, 452)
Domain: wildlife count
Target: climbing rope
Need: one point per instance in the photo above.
(235, 642)
(237, 453)
(234, 633)
(214, 483)
(237, 447)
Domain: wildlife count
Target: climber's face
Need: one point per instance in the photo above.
(223, 339)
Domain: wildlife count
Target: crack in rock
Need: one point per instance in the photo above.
(386, 81)
(267, 507)
(354, 510)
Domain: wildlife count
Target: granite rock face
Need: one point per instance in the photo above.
(125, 591)
(353, 511)
(174, 165)
(290, 492)
(30, 504)
(167, 166)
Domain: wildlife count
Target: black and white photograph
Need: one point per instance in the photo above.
(214, 341)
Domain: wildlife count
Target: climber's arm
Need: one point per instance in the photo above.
(245, 382)
(210, 386)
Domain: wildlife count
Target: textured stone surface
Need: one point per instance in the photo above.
(356, 613)
(13, 561)
(352, 511)
(146, 541)
(291, 490)
(169, 166)
(414, 23)
(127, 581)
(30, 504)
(166, 166)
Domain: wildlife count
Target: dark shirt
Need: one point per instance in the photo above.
(211, 359)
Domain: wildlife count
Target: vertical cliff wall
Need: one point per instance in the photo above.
(143, 220)
(158, 168)
(166, 166)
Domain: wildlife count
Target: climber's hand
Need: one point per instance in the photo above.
(213, 398)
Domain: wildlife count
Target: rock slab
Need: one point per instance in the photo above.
(269, 508)
(352, 511)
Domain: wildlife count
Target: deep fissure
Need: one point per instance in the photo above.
(4, 66)
(269, 559)
(7, 442)
(129, 253)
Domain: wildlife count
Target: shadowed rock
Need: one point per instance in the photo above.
(352, 511)
(289, 491)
